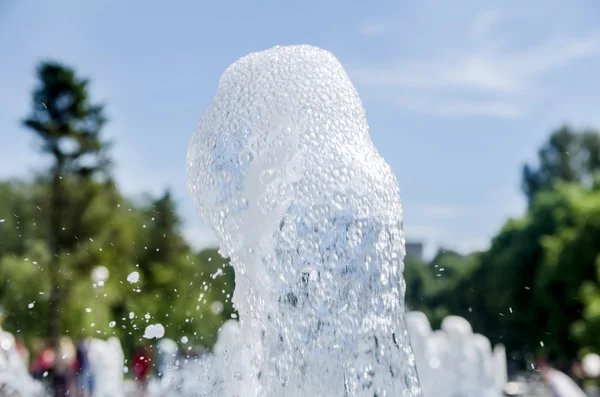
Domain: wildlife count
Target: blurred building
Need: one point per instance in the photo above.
(414, 249)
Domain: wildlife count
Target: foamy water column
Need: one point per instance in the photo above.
(282, 168)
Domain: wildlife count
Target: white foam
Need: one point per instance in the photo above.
(282, 168)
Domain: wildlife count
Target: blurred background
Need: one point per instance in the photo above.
(487, 113)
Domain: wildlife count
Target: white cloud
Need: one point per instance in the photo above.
(483, 70)
(200, 238)
(549, 56)
(463, 108)
(485, 22)
(470, 71)
(437, 211)
(506, 79)
(420, 232)
(467, 246)
(374, 28)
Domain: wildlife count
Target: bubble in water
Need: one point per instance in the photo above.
(133, 277)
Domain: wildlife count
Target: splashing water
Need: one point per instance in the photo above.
(154, 331)
(282, 168)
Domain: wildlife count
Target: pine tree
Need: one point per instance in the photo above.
(68, 128)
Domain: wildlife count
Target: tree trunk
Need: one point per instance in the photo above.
(55, 299)
(56, 296)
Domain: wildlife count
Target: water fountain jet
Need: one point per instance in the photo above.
(282, 168)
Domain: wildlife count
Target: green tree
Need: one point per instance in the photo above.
(569, 156)
(25, 273)
(418, 278)
(432, 288)
(177, 287)
(17, 220)
(567, 283)
(68, 128)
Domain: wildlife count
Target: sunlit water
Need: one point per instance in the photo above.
(451, 361)
(282, 168)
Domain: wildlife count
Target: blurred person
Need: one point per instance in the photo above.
(141, 364)
(85, 377)
(42, 364)
(558, 383)
(22, 350)
(577, 373)
(65, 367)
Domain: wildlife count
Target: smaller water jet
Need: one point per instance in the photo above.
(454, 361)
(15, 379)
(107, 362)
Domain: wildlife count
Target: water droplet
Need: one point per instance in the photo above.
(216, 307)
(156, 331)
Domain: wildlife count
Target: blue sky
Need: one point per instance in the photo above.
(458, 94)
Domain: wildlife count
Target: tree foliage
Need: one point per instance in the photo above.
(568, 156)
(68, 127)
(71, 218)
(537, 288)
(177, 286)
